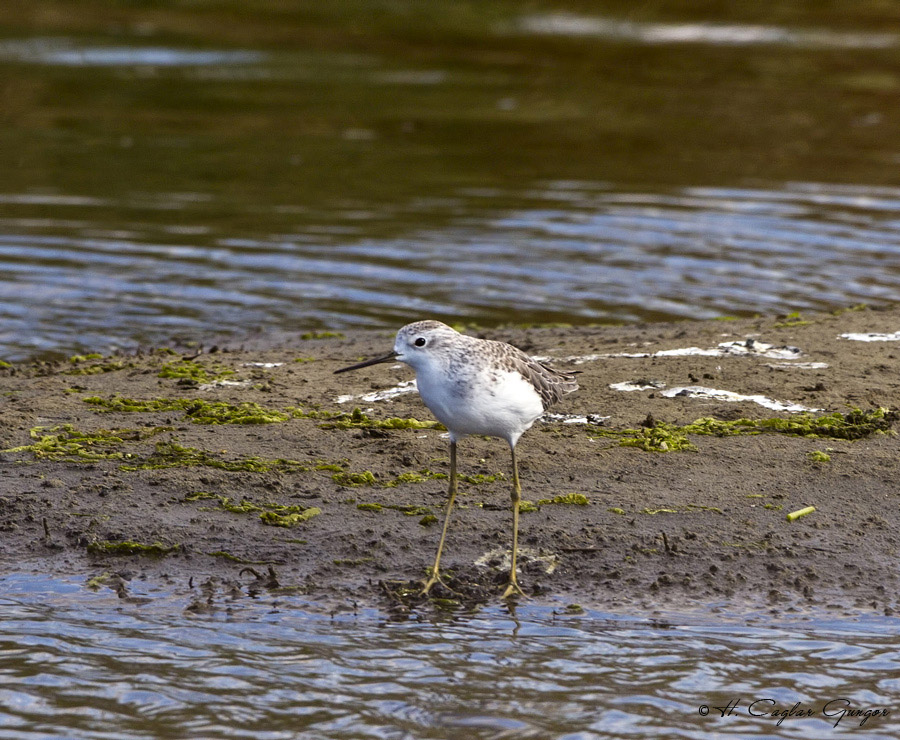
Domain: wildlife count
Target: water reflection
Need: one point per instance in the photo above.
(73, 53)
(174, 172)
(74, 662)
(569, 24)
(570, 251)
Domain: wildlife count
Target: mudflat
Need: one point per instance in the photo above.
(664, 484)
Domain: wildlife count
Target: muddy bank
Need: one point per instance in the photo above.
(246, 468)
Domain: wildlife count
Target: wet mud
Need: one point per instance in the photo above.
(663, 485)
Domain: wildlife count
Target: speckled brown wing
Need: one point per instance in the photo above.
(550, 383)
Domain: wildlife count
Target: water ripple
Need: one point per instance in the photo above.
(73, 53)
(76, 663)
(568, 251)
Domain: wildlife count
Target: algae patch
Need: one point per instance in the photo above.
(855, 424)
(656, 436)
(130, 547)
(791, 320)
(174, 455)
(369, 507)
(191, 372)
(356, 419)
(661, 437)
(367, 478)
(274, 515)
(66, 443)
(576, 499)
(407, 509)
(85, 365)
(197, 410)
(321, 335)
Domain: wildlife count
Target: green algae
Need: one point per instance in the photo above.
(275, 515)
(576, 499)
(322, 335)
(407, 509)
(664, 437)
(68, 444)
(118, 404)
(333, 467)
(220, 412)
(526, 507)
(85, 366)
(478, 478)
(174, 455)
(701, 507)
(653, 512)
(286, 517)
(368, 478)
(130, 547)
(369, 507)
(356, 419)
(428, 520)
(419, 476)
(818, 456)
(680, 509)
(97, 582)
(365, 478)
(791, 320)
(353, 561)
(660, 438)
(197, 410)
(855, 424)
(849, 309)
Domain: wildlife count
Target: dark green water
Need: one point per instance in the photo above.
(183, 169)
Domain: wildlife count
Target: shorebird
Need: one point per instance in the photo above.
(476, 386)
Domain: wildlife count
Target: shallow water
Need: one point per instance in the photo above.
(203, 173)
(74, 663)
(577, 253)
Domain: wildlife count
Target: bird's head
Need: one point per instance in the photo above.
(417, 345)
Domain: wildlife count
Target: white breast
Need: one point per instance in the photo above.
(494, 403)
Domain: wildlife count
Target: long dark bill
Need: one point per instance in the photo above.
(387, 358)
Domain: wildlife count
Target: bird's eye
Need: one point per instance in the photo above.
(420, 342)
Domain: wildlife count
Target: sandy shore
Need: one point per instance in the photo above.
(145, 468)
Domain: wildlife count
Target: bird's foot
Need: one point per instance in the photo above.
(512, 590)
(435, 577)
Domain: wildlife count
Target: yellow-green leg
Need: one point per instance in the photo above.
(435, 576)
(513, 587)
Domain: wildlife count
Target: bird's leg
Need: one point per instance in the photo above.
(513, 587)
(435, 576)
